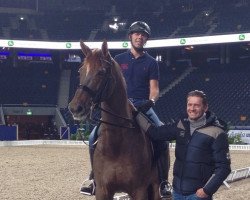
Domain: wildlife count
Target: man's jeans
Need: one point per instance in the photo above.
(177, 196)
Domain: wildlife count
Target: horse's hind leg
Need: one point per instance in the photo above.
(153, 192)
(101, 195)
(139, 194)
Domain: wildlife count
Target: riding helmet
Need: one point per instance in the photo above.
(139, 26)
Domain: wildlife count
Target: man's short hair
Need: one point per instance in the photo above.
(198, 93)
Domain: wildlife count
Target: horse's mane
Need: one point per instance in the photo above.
(119, 73)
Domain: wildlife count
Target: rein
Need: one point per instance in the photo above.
(112, 114)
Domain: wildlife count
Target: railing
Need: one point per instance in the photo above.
(231, 147)
(72, 142)
(239, 147)
(236, 175)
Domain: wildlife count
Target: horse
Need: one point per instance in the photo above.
(123, 158)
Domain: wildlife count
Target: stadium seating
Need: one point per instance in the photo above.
(227, 85)
(173, 19)
(34, 83)
(232, 17)
(169, 73)
(227, 88)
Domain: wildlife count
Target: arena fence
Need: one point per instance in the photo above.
(78, 142)
(236, 175)
(231, 147)
(239, 147)
(40, 142)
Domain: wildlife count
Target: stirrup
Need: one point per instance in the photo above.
(88, 187)
(167, 188)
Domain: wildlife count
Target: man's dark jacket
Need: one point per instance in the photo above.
(202, 159)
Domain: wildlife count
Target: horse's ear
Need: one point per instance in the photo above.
(85, 49)
(105, 50)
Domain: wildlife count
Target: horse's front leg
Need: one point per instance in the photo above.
(101, 193)
(139, 194)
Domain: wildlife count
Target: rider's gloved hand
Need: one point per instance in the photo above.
(146, 106)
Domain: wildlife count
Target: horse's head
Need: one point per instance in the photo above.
(95, 81)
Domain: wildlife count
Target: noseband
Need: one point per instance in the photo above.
(101, 94)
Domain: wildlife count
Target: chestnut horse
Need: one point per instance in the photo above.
(123, 159)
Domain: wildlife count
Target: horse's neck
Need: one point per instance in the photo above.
(115, 139)
(118, 106)
(115, 135)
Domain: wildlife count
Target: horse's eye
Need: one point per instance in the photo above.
(102, 72)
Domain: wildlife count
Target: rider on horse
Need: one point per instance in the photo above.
(141, 73)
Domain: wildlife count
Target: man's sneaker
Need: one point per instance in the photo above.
(88, 187)
(165, 189)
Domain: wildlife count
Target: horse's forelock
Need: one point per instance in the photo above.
(93, 61)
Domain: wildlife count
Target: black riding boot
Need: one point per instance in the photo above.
(163, 163)
(92, 150)
(89, 188)
(91, 155)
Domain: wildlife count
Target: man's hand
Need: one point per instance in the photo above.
(146, 106)
(201, 194)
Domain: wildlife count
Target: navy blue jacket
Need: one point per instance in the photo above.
(202, 159)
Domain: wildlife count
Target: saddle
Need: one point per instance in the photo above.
(143, 121)
(141, 118)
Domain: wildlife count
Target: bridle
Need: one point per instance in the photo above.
(100, 95)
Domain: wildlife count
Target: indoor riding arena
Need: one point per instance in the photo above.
(52, 172)
(61, 67)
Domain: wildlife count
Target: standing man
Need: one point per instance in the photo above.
(202, 153)
(141, 73)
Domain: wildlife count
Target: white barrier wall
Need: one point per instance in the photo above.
(231, 147)
(244, 134)
(40, 142)
(78, 142)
